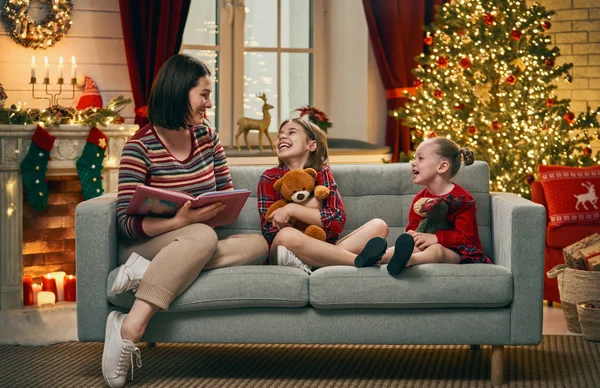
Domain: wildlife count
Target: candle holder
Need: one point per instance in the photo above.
(54, 97)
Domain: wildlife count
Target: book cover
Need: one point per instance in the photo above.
(157, 202)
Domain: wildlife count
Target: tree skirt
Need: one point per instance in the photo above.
(39, 326)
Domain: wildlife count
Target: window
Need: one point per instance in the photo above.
(252, 47)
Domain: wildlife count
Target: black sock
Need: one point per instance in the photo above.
(372, 252)
(405, 243)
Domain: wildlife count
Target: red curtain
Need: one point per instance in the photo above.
(152, 30)
(397, 37)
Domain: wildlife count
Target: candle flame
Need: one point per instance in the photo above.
(73, 59)
(45, 60)
(60, 60)
(33, 59)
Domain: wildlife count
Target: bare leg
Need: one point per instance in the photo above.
(137, 320)
(355, 241)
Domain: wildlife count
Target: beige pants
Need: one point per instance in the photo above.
(179, 256)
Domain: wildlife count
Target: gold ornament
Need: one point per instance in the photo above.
(445, 38)
(31, 34)
(482, 92)
(518, 63)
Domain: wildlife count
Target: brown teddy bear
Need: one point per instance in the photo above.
(297, 186)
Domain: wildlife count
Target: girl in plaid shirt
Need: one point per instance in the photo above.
(437, 160)
(301, 144)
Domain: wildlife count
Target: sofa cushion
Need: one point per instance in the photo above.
(422, 286)
(226, 288)
(559, 237)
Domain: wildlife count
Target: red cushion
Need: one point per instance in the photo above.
(571, 194)
(559, 237)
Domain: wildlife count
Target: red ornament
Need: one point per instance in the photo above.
(516, 34)
(549, 62)
(428, 40)
(438, 93)
(465, 63)
(418, 83)
(529, 178)
(119, 120)
(496, 126)
(511, 80)
(549, 102)
(460, 106)
(489, 19)
(418, 133)
(142, 111)
(587, 151)
(546, 25)
(432, 135)
(442, 62)
(461, 31)
(472, 129)
(569, 117)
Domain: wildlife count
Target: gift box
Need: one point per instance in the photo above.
(573, 255)
(591, 255)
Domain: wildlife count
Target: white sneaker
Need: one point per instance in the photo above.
(130, 274)
(288, 258)
(118, 353)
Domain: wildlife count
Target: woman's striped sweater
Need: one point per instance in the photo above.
(146, 161)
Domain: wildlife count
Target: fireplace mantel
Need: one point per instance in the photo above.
(68, 146)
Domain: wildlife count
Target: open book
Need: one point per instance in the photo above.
(152, 201)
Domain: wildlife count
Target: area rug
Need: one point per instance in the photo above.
(559, 361)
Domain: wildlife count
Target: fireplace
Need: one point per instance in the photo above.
(34, 242)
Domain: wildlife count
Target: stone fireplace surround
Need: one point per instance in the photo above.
(14, 143)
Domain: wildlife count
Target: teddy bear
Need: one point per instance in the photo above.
(297, 186)
(435, 210)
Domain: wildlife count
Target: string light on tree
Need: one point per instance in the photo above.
(486, 81)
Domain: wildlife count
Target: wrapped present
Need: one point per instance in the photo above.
(573, 256)
(591, 255)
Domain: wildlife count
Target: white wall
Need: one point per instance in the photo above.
(95, 39)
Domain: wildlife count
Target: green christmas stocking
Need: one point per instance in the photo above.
(89, 164)
(34, 167)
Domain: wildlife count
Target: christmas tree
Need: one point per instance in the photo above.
(487, 81)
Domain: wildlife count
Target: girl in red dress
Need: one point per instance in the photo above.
(437, 160)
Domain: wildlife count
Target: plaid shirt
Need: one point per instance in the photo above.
(333, 215)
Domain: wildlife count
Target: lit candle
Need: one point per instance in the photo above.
(61, 68)
(48, 284)
(59, 276)
(70, 288)
(32, 66)
(45, 297)
(36, 289)
(46, 68)
(73, 68)
(27, 291)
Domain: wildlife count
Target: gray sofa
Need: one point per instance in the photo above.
(499, 304)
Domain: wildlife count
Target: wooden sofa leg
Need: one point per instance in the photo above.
(549, 303)
(497, 365)
(475, 348)
(151, 344)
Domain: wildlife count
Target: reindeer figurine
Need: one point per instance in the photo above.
(246, 124)
(590, 196)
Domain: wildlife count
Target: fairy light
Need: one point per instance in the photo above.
(516, 128)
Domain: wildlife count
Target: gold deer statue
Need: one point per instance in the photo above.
(246, 124)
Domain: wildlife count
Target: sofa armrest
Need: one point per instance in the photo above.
(96, 245)
(519, 229)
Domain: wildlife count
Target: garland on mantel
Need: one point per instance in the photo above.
(58, 114)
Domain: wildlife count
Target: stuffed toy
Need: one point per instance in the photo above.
(297, 186)
(433, 211)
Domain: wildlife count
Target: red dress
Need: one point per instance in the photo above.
(463, 238)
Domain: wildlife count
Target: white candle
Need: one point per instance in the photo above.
(73, 68)
(45, 297)
(37, 288)
(61, 68)
(59, 276)
(32, 66)
(46, 68)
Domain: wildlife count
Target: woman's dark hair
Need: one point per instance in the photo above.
(169, 105)
(448, 150)
(318, 157)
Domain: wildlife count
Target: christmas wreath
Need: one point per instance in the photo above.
(29, 33)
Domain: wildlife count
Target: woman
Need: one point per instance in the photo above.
(175, 151)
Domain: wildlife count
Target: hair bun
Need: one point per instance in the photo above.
(468, 156)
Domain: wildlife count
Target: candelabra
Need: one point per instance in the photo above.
(54, 97)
